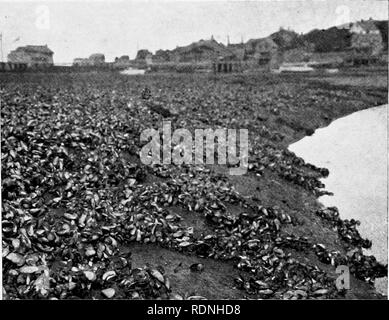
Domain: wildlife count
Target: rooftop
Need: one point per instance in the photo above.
(34, 48)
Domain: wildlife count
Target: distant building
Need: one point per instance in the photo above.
(97, 59)
(364, 27)
(81, 62)
(366, 43)
(202, 51)
(238, 49)
(122, 60)
(161, 56)
(366, 38)
(33, 56)
(144, 56)
(12, 66)
(284, 38)
(226, 64)
(210, 54)
(263, 51)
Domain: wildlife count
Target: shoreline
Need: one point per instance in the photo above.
(336, 161)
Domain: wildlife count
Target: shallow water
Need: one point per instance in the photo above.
(131, 71)
(354, 150)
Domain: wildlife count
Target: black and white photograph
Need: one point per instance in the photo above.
(194, 150)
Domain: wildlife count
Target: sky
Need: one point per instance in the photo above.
(118, 27)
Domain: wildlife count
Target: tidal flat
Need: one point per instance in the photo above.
(82, 217)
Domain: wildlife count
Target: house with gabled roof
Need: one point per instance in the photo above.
(202, 51)
(261, 49)
(32, 55)
(366, 38)
(262, 52)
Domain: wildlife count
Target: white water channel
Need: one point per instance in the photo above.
(133, 72)
(355, 151)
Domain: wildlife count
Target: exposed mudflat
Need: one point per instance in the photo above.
(83, 218)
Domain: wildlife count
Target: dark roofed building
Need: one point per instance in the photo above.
(33, 56)
(81, 62)
(285, 39)
(202, 51)
(238, 49)
(96, 59)
(143, 54)
(366, 37)
(162, 56)
(124, 59)
(263, 50)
